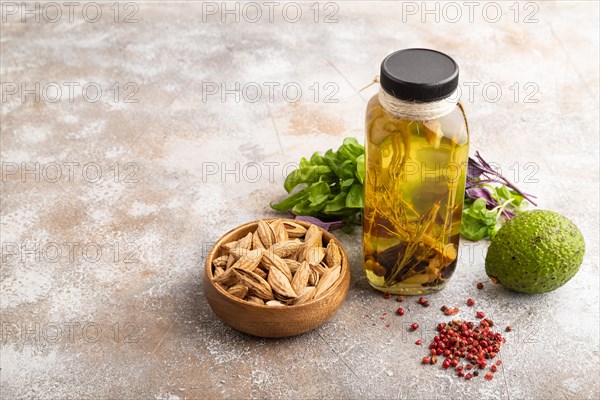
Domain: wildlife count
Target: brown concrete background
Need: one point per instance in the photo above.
(100, 285)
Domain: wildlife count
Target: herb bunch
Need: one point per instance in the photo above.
(334, 185)
(487, 206)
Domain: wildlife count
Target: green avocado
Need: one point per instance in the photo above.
(535, 252)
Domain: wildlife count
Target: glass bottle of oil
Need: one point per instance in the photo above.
(416, 150)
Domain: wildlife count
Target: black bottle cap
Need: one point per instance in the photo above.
(421, 75)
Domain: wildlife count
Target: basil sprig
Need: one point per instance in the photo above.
(333, 184)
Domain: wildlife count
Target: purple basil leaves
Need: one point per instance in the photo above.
(480, 172)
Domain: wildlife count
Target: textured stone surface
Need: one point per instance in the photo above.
(134, 322)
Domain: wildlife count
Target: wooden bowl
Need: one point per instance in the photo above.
(268, 321)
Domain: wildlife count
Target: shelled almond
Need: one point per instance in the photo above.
(281, 263)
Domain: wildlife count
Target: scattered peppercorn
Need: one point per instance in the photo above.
(418, 342)
(458, 340)
(489, 376)
(426, 360)
(499, 362)
(426, 303)
(400, 299)
(451, 310)
(387, 295)
(480, 285)
(470, 302)
(414, 326)
(443, 308)
(508, 328)
(421, 300)
(480, 314)
(400, 311)
(487, 322)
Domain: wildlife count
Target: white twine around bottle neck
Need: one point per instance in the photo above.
(418, 111)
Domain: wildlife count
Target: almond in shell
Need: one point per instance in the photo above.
(256, 242)
(285, 248)
(313, 237)
(249, 261)
(246, 242)
(265, 233)
(227, 278)
(314, 255)
(334, 255)
(294, 230)
(220, 262)
(260, 272)
(320, 268)
(314, 277)
(230, 261)
(270, 261)
(230, 245)
(279, 231)
(305, 295)
(218, 271)
(256, 285)
(238, 252)
(293, 265)
(238, 291)
(327, 280)
(300, 279)
(280, 284)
